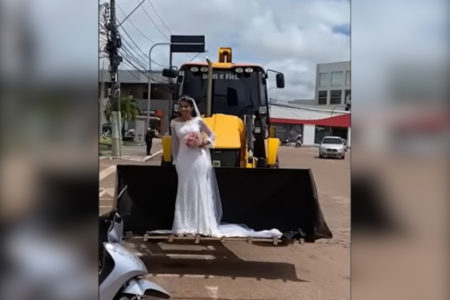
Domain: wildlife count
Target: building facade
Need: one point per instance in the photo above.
(333, 84)
(328, 114)
(312, 122)
(135, 84)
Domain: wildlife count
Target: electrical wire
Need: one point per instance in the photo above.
(159, 17)
(131, 39)
(136, 27)
(130, 56)
(140, 57)
(137, 46)
(131, 72)
(154, 24)
(135, 67)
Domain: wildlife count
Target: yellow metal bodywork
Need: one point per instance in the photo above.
(225, 54)
(223, 65)
(166, 142)
(225, 61)
(229, 131)
(272, 146)
(230, 134)
(272, 131)
(250, 165)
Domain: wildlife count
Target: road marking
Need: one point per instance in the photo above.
(108, 171)
(213, 291)
(107, 192)
(341, 199)
(182, 275)
(153, 155)
(131, 157)
(192, 256)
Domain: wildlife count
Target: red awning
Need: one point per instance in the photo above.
(337, 121)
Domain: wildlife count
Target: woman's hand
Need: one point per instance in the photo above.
(204, 144)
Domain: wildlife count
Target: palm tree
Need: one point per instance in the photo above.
(129, 110)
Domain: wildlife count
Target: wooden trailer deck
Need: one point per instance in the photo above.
(198, 238)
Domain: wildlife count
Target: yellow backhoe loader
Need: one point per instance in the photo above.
(232, 98)
(233, 101)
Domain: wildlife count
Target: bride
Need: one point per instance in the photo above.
(198, 208)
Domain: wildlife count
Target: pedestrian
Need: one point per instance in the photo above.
(149, 139)
(299, 140)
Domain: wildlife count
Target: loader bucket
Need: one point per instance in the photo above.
(285, 199)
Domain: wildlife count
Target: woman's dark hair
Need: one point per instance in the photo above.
(190, 101)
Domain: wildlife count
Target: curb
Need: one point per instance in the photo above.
(153, 155)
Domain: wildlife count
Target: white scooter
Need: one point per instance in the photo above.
(121, 273)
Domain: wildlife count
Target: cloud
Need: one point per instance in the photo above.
(344, 29)
(287, 35)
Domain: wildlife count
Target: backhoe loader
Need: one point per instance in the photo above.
(233, 101)
(232, 98)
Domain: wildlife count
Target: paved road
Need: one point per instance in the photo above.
(239, 270)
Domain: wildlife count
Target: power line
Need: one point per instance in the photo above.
(139, 48)
(141, 55)
(131, 72)
(132, 59)
(154, 24)
(136, 59)
(137, 69)
(195, 56)
(136, 27)
(131, 39)
(145, 73)
(159, 17)
(130, 48)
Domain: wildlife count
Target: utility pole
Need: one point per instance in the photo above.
(114, 43)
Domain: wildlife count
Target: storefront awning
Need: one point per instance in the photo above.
(336, 121)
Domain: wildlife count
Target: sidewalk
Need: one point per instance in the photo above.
(134, 152)
(131, 154)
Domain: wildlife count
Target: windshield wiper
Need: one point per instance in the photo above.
(251, 105)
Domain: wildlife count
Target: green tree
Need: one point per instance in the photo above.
(129, 110)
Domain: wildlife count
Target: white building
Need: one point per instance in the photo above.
(329, 113)
(312, 122)
(333, 84)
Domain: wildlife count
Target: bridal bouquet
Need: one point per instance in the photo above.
(194, 139)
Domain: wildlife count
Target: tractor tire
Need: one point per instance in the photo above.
(165, 163)
(277, 163)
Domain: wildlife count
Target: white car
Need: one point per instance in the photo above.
(332, 146)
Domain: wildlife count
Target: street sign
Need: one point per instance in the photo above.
(187, 39)
(187, 43)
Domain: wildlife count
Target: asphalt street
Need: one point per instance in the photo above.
(242, 270)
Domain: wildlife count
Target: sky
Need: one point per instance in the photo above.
(290, 36)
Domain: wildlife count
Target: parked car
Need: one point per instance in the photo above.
(106, 129)
(332, 146)
(129, 135)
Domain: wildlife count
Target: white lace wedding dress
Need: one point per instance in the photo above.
(198, 208)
